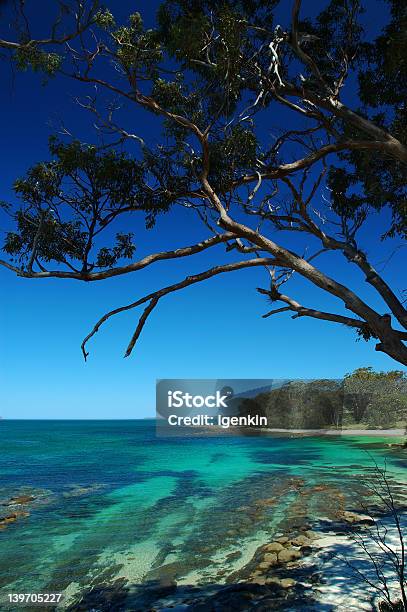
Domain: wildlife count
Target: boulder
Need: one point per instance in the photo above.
(270, 558)
(282, 540)
(287, 583)
(273, 580)
(259, 580)
(311, 535)
(300, 540)
(288, 554)
(9, 518)
(352, 518)
(20, 499)
(274, 547)
(233, 556)
(264, 565)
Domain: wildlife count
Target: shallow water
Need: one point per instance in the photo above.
(112, 500)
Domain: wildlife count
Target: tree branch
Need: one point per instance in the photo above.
(155, 296)
(133, 267)
(304, 57)
(302, 311)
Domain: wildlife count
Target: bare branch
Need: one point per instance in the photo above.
(304, 57)
(302, 311)
(157, 295)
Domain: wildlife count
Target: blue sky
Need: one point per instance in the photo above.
(210, 330)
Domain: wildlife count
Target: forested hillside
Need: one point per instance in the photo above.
(363, 399)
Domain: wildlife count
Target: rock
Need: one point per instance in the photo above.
(286, 555)
(264, 565)
(270, 558)
(9, 518)
(164, 577)
(260, 580)
(300, 540)
(306, 550)
(273, 580)
(233, 556)
(305, 527)
(274, 547)
(255, 574)
(287, 583)
(311, 535)
(282, 540)
(352, 518)
(20, 499)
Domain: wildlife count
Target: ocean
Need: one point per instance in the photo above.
(109, 503)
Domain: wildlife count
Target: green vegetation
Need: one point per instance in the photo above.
(279, 136)
(364, 399)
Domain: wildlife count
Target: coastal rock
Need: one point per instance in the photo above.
(274, 547)
(300, 540)
(286, 555)
(270, 558)
(259, 580)
(282, 540)
(20, 499)
(287, 583)
(360, 519)
(264, 565)
(311, 535)
(233, 556)
(9, 518)
(273, 580)
(6, 519)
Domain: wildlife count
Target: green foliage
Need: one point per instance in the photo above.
(137, 48)
(379, 181)
(364, 398)
(212, 63)
(376, 398)
(219, 43)
(299, 404)
(30, 56)
(58, 241)
(232, 155)
(207, 60)
(104, 19)
(124, 249)
(70, 200)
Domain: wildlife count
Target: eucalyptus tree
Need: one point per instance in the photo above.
(278, 128)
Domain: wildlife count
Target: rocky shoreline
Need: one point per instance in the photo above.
(288, 570)
(14, 508)
(285, 573)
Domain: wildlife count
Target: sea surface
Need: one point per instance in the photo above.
(114, 502)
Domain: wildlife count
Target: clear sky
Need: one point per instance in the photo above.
(210, 330)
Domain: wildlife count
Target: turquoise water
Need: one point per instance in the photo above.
(113, 501)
